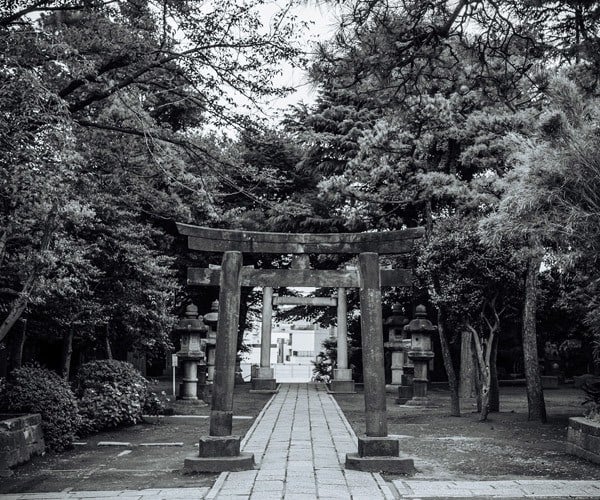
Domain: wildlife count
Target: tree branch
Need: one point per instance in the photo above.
(118, 62)
(19, 304)
(5, 21)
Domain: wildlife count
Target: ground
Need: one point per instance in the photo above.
(92, 467)
(507, 446)
(444, 447)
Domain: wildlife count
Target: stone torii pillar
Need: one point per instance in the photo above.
(342, 375)
(265, 379)
(220, 450)
(376, 451)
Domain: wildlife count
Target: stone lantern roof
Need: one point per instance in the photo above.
(191, 322)
(397, 318)
(190, 329)
(212, 317)
(395, 324)
(420, 324)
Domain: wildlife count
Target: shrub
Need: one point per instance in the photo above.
(592, 392)
(33, 389)
(111, 394)
(323, 365)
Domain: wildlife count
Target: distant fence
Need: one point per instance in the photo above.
(293, 373)
(286, 373)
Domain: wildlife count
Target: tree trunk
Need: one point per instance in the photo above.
(483, 400)
(19, 305)
(448, 365)
(494, 387)
(535, 394)
(4, 241)
(17, 344)
(67, 353)
(467, 367)
(17, 308)
(477, 378)
(107, 347)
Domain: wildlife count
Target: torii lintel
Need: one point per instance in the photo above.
(222, 240)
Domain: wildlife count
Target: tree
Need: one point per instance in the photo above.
(104, 108)
(453, 79)
(550, 199)
(477, 284)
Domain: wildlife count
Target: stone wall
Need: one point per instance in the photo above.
(21, 437)
(583, 439)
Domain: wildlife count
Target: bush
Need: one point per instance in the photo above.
(33, 389)
(111, 394)
(323, 365)
(592, 392)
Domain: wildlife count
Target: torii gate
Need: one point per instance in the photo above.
(342, 382)
(376, 451)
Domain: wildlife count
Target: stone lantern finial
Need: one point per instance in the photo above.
(191, 311)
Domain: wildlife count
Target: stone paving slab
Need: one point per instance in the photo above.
(534, 488)
(147, 494)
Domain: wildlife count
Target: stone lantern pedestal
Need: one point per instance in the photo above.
(420, 330)
(191, 329)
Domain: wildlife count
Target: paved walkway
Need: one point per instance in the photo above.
(531, 488)
(300, 441)
(300, 445)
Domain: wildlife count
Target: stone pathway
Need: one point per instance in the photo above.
(530, 488)
(300, 441)
(300, 445)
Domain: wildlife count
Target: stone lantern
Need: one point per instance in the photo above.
(211, 319)
(397, 345)
(420, 330)
(191, 330)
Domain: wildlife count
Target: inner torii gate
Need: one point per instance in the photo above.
(342, 380)
(376, 451)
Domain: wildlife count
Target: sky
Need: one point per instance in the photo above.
(322, 19)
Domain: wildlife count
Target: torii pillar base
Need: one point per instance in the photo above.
(219, 454)
(264, 382)
(379, 454)
(342, 382)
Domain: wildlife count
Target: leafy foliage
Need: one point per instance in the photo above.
(325, 362)
(111, 394)
(34, 389)
(104, 141)
(592, 392)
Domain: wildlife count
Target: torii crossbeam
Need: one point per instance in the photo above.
(376, 450)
